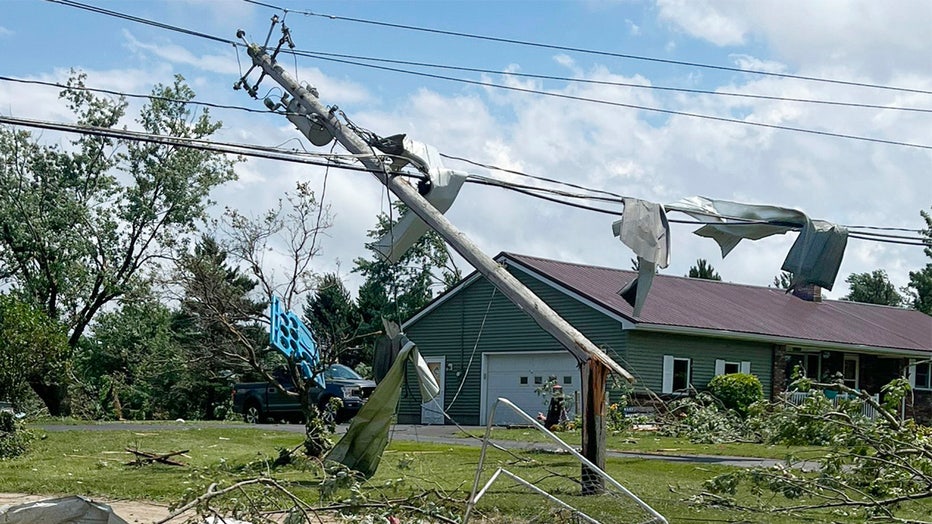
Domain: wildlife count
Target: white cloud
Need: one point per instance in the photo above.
(870, 38)
(704, 19)
(4, 32)
(225, 64)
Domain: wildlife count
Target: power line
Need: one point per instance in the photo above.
(248, 150)
(590, 51)
(169, 27)
(270, 153)
(315, 54)
(145, 21)
(133, 95)
(630, 106)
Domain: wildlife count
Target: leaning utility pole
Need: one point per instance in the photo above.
(595, 365)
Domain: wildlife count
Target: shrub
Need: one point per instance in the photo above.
(737, 391)
(14, 439)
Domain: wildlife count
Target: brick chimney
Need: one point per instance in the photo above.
(810, 292)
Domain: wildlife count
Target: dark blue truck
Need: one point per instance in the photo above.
(261, 401)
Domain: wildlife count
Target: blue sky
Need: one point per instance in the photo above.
(648, 155)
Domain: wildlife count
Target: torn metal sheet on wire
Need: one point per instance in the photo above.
(361, 447)
(644, 228)
(814, 258)
(440, 188)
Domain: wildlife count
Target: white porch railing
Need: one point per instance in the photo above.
(798, 397)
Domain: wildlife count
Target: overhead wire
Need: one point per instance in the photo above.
(616, 197)
(597, 52)
(213, 105)
(270, 153)
(94, 9)
(161, 25)
(599, 101)
(248, 150)
(517, 74)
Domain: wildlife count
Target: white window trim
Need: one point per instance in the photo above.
(912, 374)
(744, 366)
(857, 369)
(667, 381)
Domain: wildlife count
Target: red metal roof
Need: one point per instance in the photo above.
(712, 305)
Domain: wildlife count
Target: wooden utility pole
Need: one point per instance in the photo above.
(595, 364)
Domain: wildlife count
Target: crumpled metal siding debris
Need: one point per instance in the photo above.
(65, 510)
(814, 258)
(644, 228)
(361, 447)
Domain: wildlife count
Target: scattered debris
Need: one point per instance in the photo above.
(145, 457)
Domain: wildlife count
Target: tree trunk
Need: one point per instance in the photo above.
(55, 397)
(594, 379)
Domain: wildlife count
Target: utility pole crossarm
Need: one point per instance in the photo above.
(574, 341)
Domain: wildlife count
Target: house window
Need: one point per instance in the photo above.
(850, 373)
(725, 367)
(676, 374)
(810, 363)
(522, 380)
(567, 380)
(538, 380)
(922, 375)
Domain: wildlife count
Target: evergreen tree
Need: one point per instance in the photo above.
(334, 319)
(703, 270)
(783, 280)
(397, 291)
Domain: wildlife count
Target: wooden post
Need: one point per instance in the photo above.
(594, 380)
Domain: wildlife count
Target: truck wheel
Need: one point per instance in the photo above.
(326, 414)
(253, 413)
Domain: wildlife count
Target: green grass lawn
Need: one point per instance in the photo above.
(92, 463)
(649, 442)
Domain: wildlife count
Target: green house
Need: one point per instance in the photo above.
(482, 347)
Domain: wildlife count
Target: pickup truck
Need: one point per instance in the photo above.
(261, 401)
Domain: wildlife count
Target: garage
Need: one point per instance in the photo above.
(517, 376)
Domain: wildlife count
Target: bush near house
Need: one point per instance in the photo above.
(737, 391)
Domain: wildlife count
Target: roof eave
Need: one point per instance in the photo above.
(790, 341)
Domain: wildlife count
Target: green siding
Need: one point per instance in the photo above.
(646, 351)
(452, 330)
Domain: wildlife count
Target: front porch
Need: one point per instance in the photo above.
(862, 371)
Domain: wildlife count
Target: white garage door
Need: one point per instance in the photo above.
(516, 376)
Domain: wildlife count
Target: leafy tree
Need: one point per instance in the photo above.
(335, 320)
(133, 364)
(872, 288)
(703, 270)
(228, 286)
(32, 347)
(79, 226)
(397, 291)
(919, 288)
(783, 280)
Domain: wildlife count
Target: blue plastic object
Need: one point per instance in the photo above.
(292, 338)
